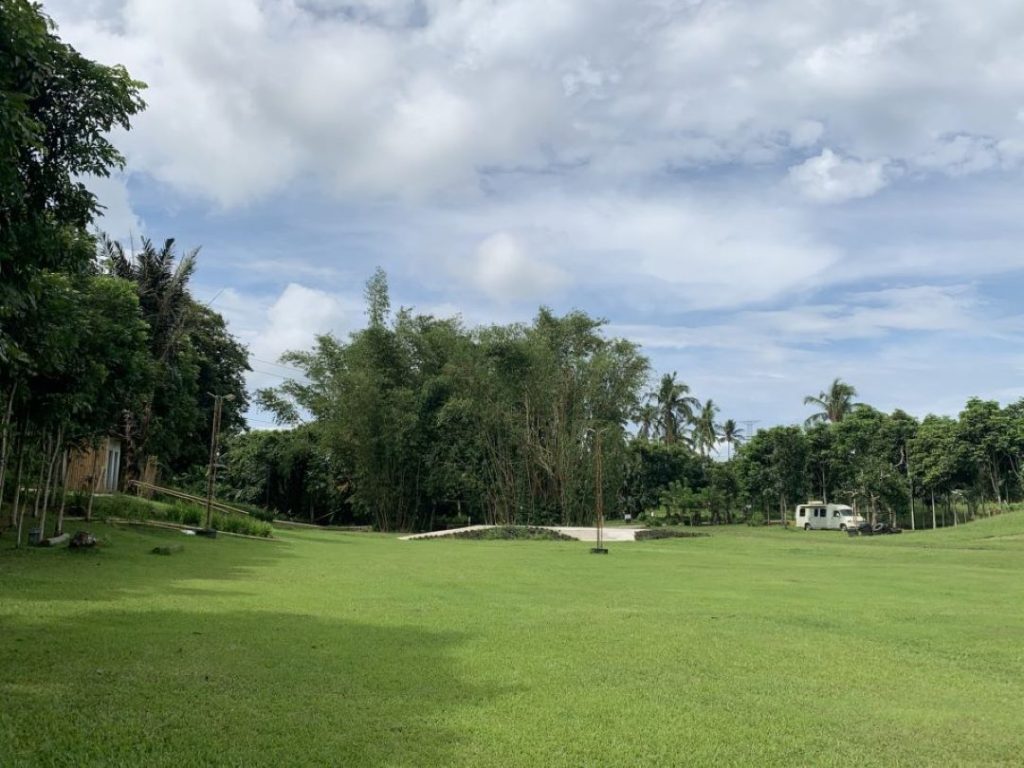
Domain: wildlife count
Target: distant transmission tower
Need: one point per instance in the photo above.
(749, 424)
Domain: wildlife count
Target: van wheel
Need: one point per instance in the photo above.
(807, 526)
(842, 527)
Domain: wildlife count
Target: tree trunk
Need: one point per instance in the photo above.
(44, 447)
(58, 529)
(93, 482)
(5, 441)
(933, 509)
(51, 465)
(16, 513)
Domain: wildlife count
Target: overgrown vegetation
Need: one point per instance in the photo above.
(126, 507)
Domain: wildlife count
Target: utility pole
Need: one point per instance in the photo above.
(211, 475)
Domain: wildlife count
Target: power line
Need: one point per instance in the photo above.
(277, 365)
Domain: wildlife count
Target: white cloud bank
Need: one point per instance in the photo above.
(402, 98)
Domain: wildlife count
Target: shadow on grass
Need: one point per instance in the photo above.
(236, 688)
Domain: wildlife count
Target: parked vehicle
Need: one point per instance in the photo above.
(817, 515)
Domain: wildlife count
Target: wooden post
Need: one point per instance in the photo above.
(212, 473)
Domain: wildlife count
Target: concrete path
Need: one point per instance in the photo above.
(581, 533)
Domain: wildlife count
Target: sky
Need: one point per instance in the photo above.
(764, 195)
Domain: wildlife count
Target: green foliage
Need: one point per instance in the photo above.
(56, 109)
(194, 358)
(123, 506)
(424, 421)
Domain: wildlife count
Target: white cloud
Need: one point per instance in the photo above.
(271, 326)
(405, 99)
(504, 271)
(829, 178)
(117, 219)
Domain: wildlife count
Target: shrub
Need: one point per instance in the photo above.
(651, 534)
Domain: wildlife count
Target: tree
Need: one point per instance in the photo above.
(426, 421)
(56, 109)
(731, 435)
(194, 357)
(772, 468)
(705, 429)
(646, 418)
(936, 458)
(835, 404)
(675, 407)
(986, 431)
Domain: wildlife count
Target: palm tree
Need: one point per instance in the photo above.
(161, 281)
(705, 430)
(731, 434)
(834, 404)
(674, 405)
(161, 284)
(646, 417)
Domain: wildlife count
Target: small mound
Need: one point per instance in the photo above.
(506, 532)
(650, 534)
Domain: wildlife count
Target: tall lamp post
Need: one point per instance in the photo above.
(211, 474)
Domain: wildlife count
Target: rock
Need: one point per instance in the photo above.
(168, 550)
(82, 540)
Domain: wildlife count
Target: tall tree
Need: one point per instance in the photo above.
(194, 356)
(705, 428)
(56, 110)
(731, 435)
(835, 404)
(675, 407)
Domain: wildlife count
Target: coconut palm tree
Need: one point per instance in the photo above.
(836, 403)
(674, 405)
(731, 435)
(705, 430)
(646, 417)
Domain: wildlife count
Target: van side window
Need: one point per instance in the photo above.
(801, 512)
(835, 513)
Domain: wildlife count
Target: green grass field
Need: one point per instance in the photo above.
(752, 647)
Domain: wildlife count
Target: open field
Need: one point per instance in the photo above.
(751, 647)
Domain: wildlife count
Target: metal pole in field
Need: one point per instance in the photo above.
(599, 494)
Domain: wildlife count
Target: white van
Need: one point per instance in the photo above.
(815, 515)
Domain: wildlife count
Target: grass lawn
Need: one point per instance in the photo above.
(753, 647)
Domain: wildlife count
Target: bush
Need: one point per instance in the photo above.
(667, 533)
